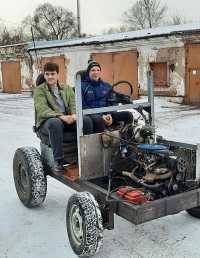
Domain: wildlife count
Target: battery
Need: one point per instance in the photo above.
(133, 195)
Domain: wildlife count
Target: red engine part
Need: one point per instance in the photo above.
(132, 195)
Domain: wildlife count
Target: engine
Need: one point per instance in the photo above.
(140, 164)
(160, 173)
(154, 167)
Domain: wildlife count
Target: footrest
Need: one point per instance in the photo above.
(72, 172)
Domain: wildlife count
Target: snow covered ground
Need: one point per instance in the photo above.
(41, 232)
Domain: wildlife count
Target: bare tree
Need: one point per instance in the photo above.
(122, 28)
(177, 19)
(145, 14)
(9, 36)
(52, 22)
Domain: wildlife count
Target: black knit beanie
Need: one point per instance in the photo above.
(92, 63)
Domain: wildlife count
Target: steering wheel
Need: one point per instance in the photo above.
(124, 82)
(121, 97)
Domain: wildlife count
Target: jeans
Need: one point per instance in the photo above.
(54, 128)
(97, 124)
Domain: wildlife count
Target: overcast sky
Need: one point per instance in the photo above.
(96, 15)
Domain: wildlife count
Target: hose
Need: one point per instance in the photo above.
(138, 181)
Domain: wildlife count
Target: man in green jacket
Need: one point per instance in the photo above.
(55, 112)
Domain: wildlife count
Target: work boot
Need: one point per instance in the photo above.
(58, 168)
(65, 163)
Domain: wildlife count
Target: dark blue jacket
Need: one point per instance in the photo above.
(95, 94)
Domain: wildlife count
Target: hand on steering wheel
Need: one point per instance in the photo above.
(107, 119)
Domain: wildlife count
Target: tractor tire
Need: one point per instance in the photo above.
(84, 224)
(29, 177)
(195, 212)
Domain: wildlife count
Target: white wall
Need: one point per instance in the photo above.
(170, 52)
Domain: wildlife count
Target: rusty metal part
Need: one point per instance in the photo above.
(160, 171)
(150, 166)
(110, 139)
(151, 177)
(141, 182)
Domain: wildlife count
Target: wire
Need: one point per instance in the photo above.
(121, 139)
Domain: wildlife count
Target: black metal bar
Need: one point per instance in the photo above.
(76, 185)
(78, 18)
(139, 214)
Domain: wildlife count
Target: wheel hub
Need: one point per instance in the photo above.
(76, 224)
(23, 180)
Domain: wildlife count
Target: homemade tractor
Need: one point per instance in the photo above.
(126, 170)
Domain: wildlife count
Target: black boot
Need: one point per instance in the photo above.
(58, 168)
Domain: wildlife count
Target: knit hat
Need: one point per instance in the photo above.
(92, 63)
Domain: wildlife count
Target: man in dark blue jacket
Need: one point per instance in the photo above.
(96, 94)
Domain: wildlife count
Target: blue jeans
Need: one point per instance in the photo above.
(54, 128)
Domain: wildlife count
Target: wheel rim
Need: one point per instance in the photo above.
(76, 225)
(23, 181)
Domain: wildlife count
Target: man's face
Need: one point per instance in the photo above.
(51, 77)
(95, 73)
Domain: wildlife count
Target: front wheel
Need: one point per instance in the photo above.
(84, 224)
(30, 180)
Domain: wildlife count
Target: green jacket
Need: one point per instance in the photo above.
(45, 103)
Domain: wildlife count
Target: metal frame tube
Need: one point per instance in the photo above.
(150, 90)
(79, 116)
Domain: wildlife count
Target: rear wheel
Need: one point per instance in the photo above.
(84, 224)
(195, 212)
(30, 180)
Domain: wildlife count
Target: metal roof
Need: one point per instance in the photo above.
(123, 36)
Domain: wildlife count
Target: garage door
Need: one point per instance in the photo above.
(119, 66)
(193, 74)
(194, 79)
(60, 60)
(11, 76)
(159, 74)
